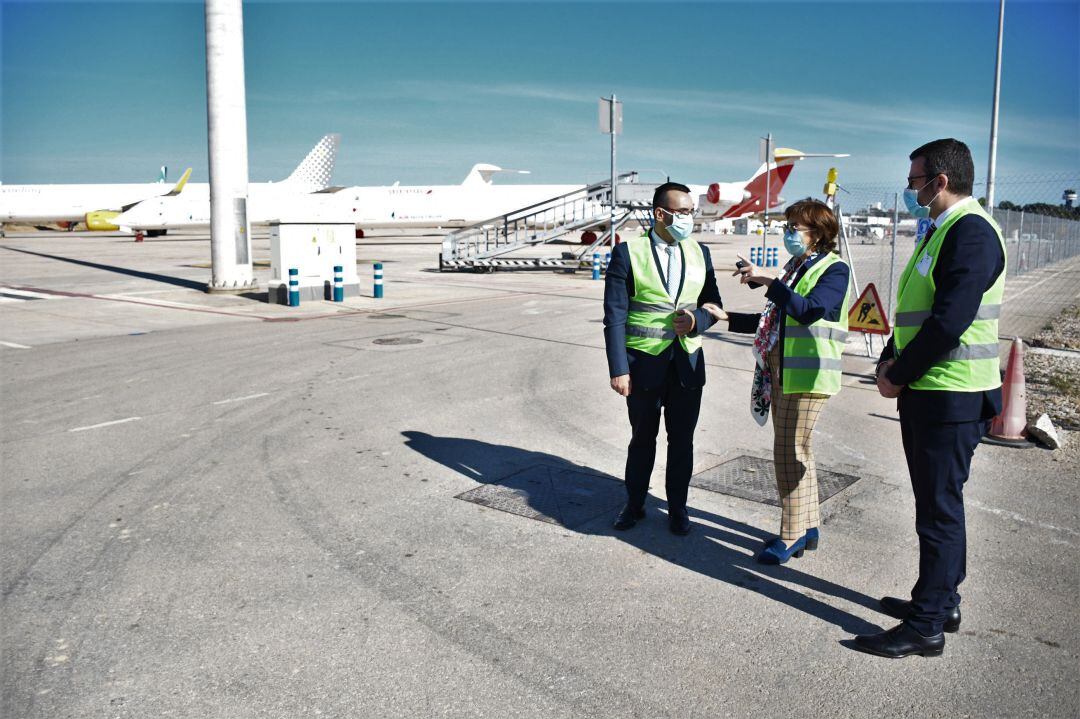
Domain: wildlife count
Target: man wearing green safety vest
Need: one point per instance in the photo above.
(654, 290)
(942, 366)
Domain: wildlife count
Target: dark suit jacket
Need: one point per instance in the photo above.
(824, 301)
(647, 371)
(969, 263)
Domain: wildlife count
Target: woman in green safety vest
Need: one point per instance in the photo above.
(799, 339)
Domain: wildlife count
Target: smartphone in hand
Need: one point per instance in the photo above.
(739, 264)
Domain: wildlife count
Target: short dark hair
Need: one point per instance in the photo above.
(816, 215)
(951, 158)
(660, 194)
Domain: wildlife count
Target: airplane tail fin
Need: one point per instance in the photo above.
(315, 171)
(163, 174)
(778, 171)
(481, 174)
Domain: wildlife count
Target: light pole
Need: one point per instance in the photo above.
(226, 124)
(991, 166)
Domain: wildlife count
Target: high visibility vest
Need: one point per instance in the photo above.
(650, 324)
(973, 366)
(812, 352)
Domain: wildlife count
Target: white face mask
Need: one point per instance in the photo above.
(682, 225)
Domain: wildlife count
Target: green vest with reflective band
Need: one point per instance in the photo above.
(973, 366)
(812, 352)
(650, 324)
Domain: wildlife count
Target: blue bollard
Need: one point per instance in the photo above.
(339, 286)
(596, 265)
(294, 287)
(378, 280)
(771, 261)
(607, 261)
(753, 255)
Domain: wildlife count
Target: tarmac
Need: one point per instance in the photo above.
(217, 507)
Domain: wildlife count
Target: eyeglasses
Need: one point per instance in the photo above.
(789, 228)
(919, 177)
(680, 215)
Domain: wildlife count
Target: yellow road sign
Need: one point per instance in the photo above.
(867, 314)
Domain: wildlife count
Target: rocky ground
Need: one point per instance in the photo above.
(1053, 380)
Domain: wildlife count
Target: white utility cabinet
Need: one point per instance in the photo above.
(313, 248)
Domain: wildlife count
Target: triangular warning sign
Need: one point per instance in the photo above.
(866, 315)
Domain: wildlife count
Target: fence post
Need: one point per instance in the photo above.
(892, 259)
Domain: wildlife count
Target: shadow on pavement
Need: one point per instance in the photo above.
(717, 547)
(167, 279)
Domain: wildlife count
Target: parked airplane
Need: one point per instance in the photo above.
(396, 205)
(476, 199)
(68, 204)
(738, 199)
(100, 206)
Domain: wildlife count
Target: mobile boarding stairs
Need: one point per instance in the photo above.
(487, 245)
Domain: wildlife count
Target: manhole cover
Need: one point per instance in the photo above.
(397, 341)
(387, 316)
(754, 478)
(558, 495)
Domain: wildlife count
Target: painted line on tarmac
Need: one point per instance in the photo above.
(1049, 277)
(14, 346)
(105, 424)
(1020, 518)
(242, 399)
(159, 303)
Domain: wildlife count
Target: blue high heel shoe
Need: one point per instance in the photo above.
(777, 552)
(812, 538)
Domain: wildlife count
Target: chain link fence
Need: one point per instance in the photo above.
(1041, 234)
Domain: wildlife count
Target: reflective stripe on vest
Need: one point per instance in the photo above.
(973, 366)
(811, 361)
(650, 323)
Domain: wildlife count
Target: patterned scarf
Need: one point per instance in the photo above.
(768, 332)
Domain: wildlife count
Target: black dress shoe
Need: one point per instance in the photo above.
(901, 641)
(629, 516)
(679, 523)
(901, 609)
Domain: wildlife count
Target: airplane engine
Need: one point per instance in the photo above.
(726, 193)
(101, 221)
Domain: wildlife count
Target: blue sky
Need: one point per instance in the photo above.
(106, 92)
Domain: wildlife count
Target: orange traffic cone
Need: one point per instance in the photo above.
(1008, 427)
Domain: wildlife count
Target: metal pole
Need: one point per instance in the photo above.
(892, 262)
(611, 226)
(768, 157)
(992, 165)
(226, 121)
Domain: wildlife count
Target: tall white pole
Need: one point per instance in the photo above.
(611, 230)
(768, 159)
(991, 167)
(226, 122)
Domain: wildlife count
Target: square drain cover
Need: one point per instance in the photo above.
(754, 478)
(560, 495)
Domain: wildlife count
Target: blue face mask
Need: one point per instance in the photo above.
(681, 227)
(794, 244)
(911, 199)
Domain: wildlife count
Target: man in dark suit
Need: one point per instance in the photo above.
(654, 290)
(942, 366)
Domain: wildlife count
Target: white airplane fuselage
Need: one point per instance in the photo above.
(70, 203)
(366, 207)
